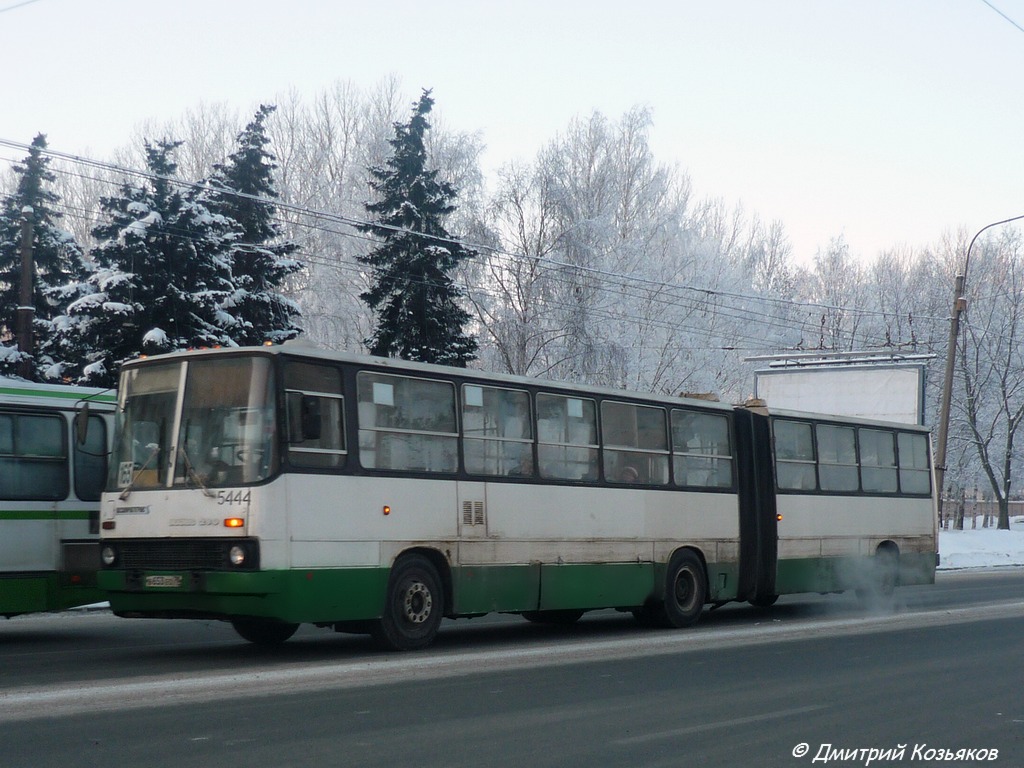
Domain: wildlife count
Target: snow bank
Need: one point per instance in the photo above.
(982, 548)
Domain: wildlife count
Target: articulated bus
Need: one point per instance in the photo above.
(275, 486)
(50, 486)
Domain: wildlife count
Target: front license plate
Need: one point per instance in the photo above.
(163, 581)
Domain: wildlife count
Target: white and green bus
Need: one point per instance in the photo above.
(50, 486)
(275, 486)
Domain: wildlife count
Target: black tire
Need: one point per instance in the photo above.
(413, 606)
(562, 618)
(264, 631)
(686, 589)
(764, 601)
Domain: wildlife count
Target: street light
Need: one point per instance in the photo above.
(959, 307)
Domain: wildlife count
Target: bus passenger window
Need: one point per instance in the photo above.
(497, 431)
(567, 437)
(915, 476)
(406, 423)
(635, 443)
(794, 456)
(33, 457)
(877, 461)
(837, 458)
(702, 449)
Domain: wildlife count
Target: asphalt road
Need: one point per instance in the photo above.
(941, 669)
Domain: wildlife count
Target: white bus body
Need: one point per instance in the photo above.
(50, 487)
(280, 485)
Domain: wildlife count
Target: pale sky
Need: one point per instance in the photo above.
(889, 122)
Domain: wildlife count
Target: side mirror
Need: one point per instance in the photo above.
(81, 423)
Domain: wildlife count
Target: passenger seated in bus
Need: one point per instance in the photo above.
(525, 468)
(629, 474)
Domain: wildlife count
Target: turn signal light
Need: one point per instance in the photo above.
(387, 510)
(234, 522)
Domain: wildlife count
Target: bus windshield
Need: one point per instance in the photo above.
(196, 424)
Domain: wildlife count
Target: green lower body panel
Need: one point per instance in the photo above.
(596, 585)
(837, 574)
(723, 582)
(496, 588)
(46, 592)
(357, 594)
(318, 596)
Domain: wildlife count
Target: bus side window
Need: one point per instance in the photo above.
(702, 448)
(877, 461)
(567, 437)
(794, 455)
(497, 431)
(837, 458)
(33, 457)
(316, 415)
(915, 476)
(635, 443)
(406, 423)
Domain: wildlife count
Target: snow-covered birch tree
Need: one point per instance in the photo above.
(991, 362)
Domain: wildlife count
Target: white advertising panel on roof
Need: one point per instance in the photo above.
(887, 393)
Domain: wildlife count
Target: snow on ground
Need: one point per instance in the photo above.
(982, 547)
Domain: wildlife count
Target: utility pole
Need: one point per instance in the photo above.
(959, 306)
(26, 308)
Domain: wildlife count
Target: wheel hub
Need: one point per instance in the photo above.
(418, 603)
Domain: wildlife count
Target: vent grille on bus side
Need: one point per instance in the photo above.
(472, 513)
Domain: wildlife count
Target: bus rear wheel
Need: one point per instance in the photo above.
(413, 607)
(264, 631)
(686, 589)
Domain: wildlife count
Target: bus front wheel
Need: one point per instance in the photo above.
(413, 607)
(686, 589)
(264, 631)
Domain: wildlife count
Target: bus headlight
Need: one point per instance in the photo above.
(108, 555)
(237, 555)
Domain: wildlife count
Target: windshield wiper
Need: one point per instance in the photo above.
(193, 475)
(154, 450)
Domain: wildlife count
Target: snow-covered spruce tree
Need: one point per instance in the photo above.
(57, 260)
(416, 303)
(162, 275)
(242, 189)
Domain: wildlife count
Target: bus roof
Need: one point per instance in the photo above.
(21, 392)
(305, 349)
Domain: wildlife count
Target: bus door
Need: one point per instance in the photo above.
(759, 540)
